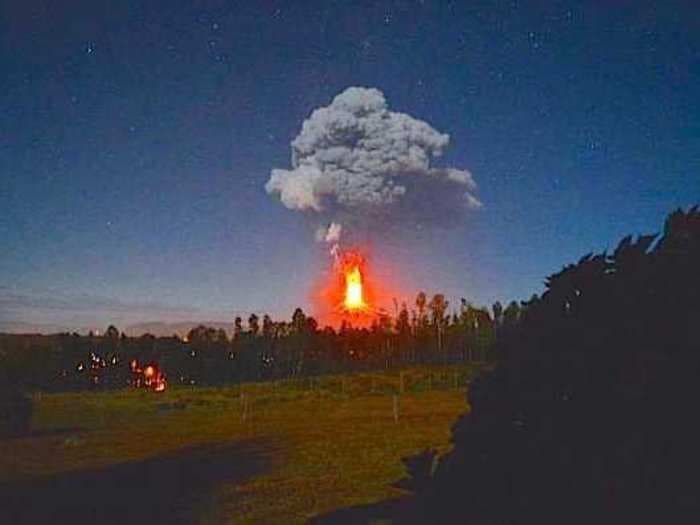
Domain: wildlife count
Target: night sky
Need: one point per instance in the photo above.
(136, 139)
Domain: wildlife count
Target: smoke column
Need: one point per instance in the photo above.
(356, 161)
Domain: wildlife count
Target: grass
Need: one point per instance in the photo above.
(333, 440)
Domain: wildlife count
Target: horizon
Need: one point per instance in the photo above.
(142, 142)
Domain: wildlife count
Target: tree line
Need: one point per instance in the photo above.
(260, 348)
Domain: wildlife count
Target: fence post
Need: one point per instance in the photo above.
(244, 410)
(396, 408)
(401, 385)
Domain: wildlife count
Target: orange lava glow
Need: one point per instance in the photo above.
(354, 297)
(351, 292)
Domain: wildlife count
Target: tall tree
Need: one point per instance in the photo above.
(497, 309)
(253, 325)
(268, 327)
(421, 302)
(511, 315)
(403, 330)
(438, 306)
(112, 332)
(237, 327)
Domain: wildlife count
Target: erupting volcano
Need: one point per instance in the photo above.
(350, 294)
(357, 165)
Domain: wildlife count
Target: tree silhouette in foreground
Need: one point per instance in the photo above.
(590, 416)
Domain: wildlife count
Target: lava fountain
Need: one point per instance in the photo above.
(354, 298)
(353, 295)
(350, 294)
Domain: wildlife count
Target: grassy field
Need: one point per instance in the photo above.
(331, 441)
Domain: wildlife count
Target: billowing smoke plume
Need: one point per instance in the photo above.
(355, 158)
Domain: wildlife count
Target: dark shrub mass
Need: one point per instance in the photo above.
(15, 411)
(591, 416)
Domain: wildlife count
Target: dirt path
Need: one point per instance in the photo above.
(173, 489)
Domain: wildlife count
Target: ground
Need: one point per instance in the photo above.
(278, 452)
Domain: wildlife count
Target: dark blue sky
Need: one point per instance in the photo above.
(136, 138)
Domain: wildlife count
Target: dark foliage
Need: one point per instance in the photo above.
(173, 488)
(262, 350)
(15, 405)
(590, 417)
(15, 412)
(419, 469)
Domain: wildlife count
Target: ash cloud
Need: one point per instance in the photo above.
(356, 158)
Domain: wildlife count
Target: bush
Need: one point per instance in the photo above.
(15, 412)
(589, 417)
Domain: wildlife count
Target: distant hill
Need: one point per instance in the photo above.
(162, 329)
(21, 327)
(156, 328)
